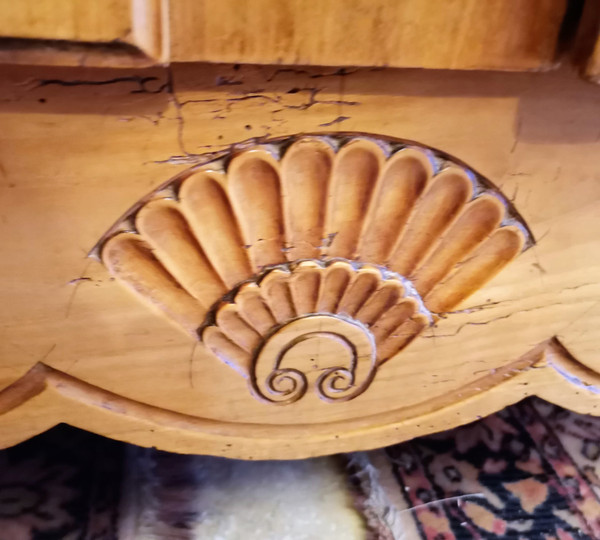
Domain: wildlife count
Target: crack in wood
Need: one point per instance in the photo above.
(483, 323)
(142, 83)
(337, 120)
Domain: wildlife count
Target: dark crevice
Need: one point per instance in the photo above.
(569, 27)
(141, 83)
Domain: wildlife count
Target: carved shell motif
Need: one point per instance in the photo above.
(310, 261)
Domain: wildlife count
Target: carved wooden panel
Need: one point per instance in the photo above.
(299, 295)
(309, 262)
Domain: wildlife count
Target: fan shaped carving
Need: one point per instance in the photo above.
(360, 313)
(344, 245)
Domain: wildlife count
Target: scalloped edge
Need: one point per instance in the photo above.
(548, 371)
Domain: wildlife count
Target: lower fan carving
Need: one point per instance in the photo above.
(308, 262)
(297, 321)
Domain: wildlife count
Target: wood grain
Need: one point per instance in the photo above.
(464, 34)
(69, 20)
(91, 32)
(94, 142)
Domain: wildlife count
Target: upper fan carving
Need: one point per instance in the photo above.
(240, 250)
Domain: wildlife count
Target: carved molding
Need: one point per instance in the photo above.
(314, 325)
(548, 370)
(309, 261)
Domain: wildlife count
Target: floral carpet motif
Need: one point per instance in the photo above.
(529, 472)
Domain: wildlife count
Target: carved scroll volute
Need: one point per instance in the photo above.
(307, 266)
(334, 356)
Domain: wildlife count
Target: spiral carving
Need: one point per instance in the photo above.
(285, 385)
(292, 356)
(335, 383)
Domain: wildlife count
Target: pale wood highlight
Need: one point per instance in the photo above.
(256, 198)
(305, 168)
(592, 66)
(166, 230)
(148, 29)
(209, 213)
(133, 262)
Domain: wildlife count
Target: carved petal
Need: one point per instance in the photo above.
(164, 227)
(132, 261)
(436, 210)
(256, 198)
(401, 183)
(503, 246)
(207, 208)
(354, 174)
(305, 171)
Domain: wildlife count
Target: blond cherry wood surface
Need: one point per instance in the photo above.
(468, 34)
(77, 346)
(462, 34)
(89, 32)
(312, 260)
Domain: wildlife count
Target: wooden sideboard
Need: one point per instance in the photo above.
(282, 261)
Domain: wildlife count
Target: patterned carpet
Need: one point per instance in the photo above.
(529, 472)
(64, 484)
